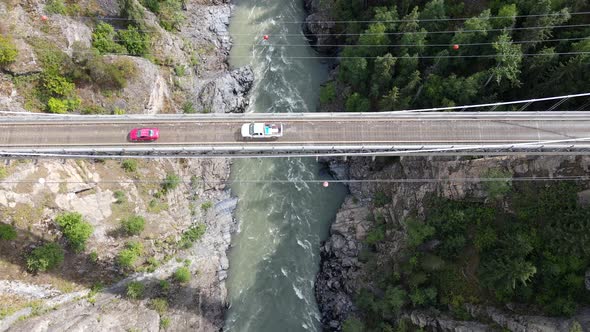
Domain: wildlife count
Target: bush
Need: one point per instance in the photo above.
(135, 290)
(3, 173)
(206, 206)
(7, 232)
(75, 229)
(129, 165)
(120, 197)
(45, 257)
(103, 39)
(93, 257)
(128, 256)
(327, 93)
(418, 232)
(170, 182)
(380, 199)
(188, 108)
(180, 70)
(160, 305)
(164, 286)
(164, 322)
(8, 51)
(55, 7)
(133, 225)
(357, 103)
(182, 275)
(497, 188)
(110, 75)
(192, 235)
(56, 84)
(134, 41)
(57, 106)
(353, 324)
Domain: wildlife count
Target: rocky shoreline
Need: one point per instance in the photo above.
(211, 86)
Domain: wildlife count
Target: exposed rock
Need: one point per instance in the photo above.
(26, 60)
(587, 281)
(440, 322)
(340, 264)
(319, 26)
(107, 314)
(9, 96)
(521, 323)
(228, 93)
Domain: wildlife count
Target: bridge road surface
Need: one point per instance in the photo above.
(405, 129)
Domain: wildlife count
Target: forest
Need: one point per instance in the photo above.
(416, 54)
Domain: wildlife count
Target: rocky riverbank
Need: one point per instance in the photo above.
(188, 67)
(343, 272)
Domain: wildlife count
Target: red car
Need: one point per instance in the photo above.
(144, 134)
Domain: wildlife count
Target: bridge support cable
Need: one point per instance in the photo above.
(526, 102)
(557, 104)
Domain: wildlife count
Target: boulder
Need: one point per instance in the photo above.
(227, 93)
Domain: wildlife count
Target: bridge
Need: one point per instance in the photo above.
(306, 134)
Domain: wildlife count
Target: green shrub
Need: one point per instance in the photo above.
(192, 235)
(375, 235)
(75, 229)
(188, 108)
(182, 275)
(129, 165)
(327, 93)
(170, 182)
(103, 39)
(128, 256)
(418, 232)
(45, 257)
(135, 290)
(119, 111)
(353, 324)
(160, 305)
(93, 257)
(134, 41)
(93, 109)
(110, 75)
(120, 197)
(357, 103)
(133, 225)
(206, 206)
(152, 5)
(3, 173)
(55, 7)
(164, 322)
(164, 286)
(495, 186)
(56, 84)
(7, 232)
(8, 51)
(180, 70)
(57, 106)
(170, 14)
(380, 199)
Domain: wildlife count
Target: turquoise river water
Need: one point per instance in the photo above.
(275, 255)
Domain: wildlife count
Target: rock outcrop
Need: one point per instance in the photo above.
(320, 26)
(227, 93)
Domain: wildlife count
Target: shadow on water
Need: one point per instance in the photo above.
(79, 268)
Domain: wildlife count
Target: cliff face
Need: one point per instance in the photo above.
(186, 66)
(343, 274)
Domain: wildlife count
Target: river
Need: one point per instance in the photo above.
(275, 255)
